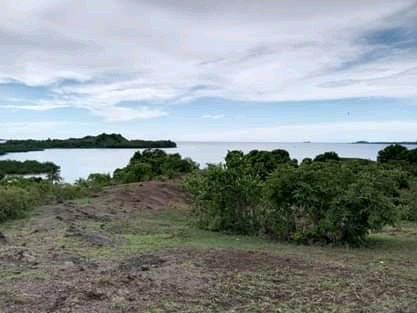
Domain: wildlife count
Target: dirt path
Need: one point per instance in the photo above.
(88, 256)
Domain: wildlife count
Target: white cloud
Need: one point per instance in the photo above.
(33, 107)
(213, 116)
(32, 129)
(319, 132)
(120, 114)
(158, 52)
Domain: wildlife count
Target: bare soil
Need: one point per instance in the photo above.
(64, 259)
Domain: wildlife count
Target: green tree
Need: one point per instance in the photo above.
(327, 156)
(391, 153)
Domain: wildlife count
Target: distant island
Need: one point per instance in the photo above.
(112, 141)
(386, 142)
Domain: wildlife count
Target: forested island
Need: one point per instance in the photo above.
(386, 142)
(88, 142)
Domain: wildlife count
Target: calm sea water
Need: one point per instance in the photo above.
(76, 163)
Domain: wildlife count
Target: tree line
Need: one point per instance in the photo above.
(87, 142)
(12, 167)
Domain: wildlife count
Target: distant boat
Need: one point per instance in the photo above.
(307, 142)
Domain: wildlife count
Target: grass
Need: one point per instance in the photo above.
(243, 274)
(379, 278)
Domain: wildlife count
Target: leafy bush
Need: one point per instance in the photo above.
(19, 195)
(226, 197)
(154, 163)
(94, 182)
(391, 153)
(14, 202)
(332, 201)
(409, 199)
(327, 156)
(263, 163)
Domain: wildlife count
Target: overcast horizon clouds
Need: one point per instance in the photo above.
(329, 71)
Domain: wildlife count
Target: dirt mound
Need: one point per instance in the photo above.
(149, 195)
(121, 201)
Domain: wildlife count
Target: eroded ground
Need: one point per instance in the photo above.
(132, 249)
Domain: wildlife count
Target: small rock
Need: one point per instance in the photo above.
(28, 258)
(3, 238)
(95, 295)
(68, 264)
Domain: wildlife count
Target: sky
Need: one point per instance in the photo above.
(236, 70)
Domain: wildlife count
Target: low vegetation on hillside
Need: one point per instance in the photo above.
(327, 199)
(154, 164)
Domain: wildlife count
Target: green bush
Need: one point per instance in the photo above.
(94, 182)
(327, 156)
(391, 153)
(332, 201)
(19, 195)
(14, 202)
(154, 163)
(226, 197)
(409, 200)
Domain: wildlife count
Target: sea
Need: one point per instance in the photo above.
(79, 163)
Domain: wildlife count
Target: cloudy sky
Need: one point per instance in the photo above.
(244, 70)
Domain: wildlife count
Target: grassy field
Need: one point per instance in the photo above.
(103, 255)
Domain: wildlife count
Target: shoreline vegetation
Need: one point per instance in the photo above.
(327, 199)
(29, 167)
(108, 141)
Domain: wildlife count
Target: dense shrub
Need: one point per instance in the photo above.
(226, 197)
(332, 201)
(398, 156)
(14, 202)
(327, 156)
(394, 152)
(19, 195)
(409, 200)
(154, 163)
(94, 182)
(263, 163)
